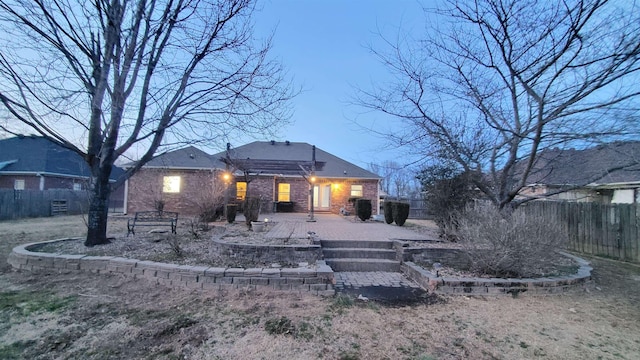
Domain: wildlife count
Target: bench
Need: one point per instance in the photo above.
(153, 218)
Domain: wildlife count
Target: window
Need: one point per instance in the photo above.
(241, 190)
(356, 190)
(77, 187)
(284, 192)
(18, 184)
(171, 184)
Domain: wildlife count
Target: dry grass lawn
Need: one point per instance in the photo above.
(91, 316)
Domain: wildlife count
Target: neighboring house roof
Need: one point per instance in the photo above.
(276, 158)
(186, 158)
(613, 163)
(31, 155)
(290, 153)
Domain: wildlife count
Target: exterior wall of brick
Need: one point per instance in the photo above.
(197, 188)
(145, 187)
(341, 192)
(298, 192)
(32, 182)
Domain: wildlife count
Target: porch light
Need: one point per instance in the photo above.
(226, 176)
(313, 179)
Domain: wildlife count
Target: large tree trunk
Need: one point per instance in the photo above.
(98, 209)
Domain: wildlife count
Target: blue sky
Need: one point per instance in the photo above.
(324, 44)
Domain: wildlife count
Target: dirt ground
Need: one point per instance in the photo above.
(89, 316)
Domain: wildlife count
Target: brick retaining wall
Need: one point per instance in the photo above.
(455, 258)
(318, 281)
(269, 253)
(494, 286)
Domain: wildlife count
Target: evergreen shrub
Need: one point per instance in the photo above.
(400, 212)
(363, 209)
(388, 211)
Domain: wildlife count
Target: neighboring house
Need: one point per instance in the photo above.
(35, 163)
(608, 173)
(282, 174)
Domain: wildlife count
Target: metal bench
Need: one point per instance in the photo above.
(153, 218)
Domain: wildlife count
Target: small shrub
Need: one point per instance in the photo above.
(280, 326)
(400, 212)
(174, 244)
(388, 211)
(251, 210)
(510, 244)
(196, 227)
(158, 205)
(210, 212)
(363, 209)
(340, 304)
(232, 209)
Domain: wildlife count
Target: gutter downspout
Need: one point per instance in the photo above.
(378, 199)
(126, 197)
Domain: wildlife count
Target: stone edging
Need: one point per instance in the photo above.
(294, 253)
(317, 281)
(494, 286)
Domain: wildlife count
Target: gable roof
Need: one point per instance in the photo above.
(288, 154)
(612, 163)
(37, 155)
(186, 158)
(267, 157)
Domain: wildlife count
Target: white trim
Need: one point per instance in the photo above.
(177, 168)
(378, 199)
(126, 197)
(39, 173)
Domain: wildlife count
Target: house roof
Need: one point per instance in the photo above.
(276, 158)
(36, 154)
(289, 155)
(187, 158)
(613, 163)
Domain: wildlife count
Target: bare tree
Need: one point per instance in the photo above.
(385, 170)
(143, 74)
(497, 81)
(396, 178)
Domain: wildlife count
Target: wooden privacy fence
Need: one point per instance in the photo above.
(604, 230)
(18, 204)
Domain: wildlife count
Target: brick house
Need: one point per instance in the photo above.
(282, 174)
(35, 163)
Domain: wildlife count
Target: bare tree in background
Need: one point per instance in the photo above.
(135, 73)
(497, 81)
(396, 178)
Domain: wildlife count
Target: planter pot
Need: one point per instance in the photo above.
(257, 226)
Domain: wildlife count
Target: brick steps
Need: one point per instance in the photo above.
(360, 255)
(361, 244)
(363, 265)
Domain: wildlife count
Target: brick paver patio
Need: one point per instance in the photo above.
(335, 227)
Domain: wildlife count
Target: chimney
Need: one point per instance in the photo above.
(287, 142)
(273, 142)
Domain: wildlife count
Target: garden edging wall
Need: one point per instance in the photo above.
(495, 286)
(318, 281)
(269, 253)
